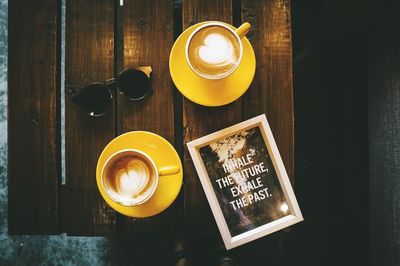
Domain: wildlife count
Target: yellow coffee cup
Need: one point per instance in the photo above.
(130, 176)
(214, 50)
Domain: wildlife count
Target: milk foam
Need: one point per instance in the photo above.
(132, 180)
(216, 50)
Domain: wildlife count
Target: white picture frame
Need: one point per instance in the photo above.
(269, 227)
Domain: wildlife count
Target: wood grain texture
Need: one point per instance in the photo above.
(147, 41)
(89, 58)
(271, 92)
(199, 121)
(272, 89)
(33, 116)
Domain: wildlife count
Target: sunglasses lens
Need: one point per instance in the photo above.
(134, 84)
(94, 99)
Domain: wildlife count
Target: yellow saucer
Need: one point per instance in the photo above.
(163, 154)
(210, 92)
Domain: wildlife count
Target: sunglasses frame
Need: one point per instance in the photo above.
(112, 85)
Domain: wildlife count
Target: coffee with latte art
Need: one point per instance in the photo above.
(214, 51)
(129, 178)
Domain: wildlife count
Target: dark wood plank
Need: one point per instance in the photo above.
(384, 134)
(33, 128)
(200, 226)
(148, 38)
(271, 92)
(89, 58)
(270, 28)
(272, 88)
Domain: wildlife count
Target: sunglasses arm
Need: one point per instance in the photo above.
(111, 83)
(145, 69)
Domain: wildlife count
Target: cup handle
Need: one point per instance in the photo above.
(169, 170)
(243, 29)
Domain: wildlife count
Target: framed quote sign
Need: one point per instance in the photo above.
(245, 181)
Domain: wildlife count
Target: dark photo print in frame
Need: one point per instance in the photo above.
(245, 181)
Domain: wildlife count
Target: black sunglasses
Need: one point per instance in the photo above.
(96, 98)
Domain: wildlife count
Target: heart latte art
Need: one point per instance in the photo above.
(214, 51)
(129, 178)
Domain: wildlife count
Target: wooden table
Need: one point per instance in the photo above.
(101, 39)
